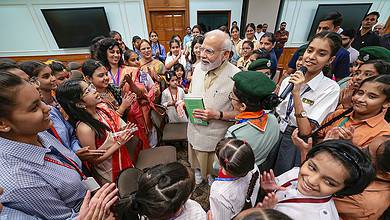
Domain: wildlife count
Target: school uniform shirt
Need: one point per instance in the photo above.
(365, 130)
(319, 97)
(64, 130)
(368, 205)
(13, 214)
(167, 97)
(192, 210)
(262, 136)
(37, 182)
(243, 64)
(227, 195)
(161, 48)
(353, 54)
(259, 35)
(298, 206)
(171, 57)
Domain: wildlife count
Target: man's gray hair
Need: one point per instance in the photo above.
(227, 43)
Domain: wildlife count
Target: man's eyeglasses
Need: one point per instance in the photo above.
(90, 89)
(208, 51)
(231, 97)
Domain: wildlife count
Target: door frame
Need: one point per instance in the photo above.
(151, 8)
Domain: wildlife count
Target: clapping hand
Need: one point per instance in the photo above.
(268, 183)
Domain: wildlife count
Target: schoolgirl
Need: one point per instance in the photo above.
(247, 50)
(267, 42)
(158, 50)
(172, 96)
(236, 187)
(332, 168)
(313, 97)
(175, 55)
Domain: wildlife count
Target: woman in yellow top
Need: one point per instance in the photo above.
(147, 64)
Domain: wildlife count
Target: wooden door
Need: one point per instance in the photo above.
(166, 24)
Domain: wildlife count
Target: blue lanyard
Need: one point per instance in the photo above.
(290, 105)
(116, 82)
(225, 179)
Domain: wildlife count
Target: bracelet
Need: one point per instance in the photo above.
(119, 113)
(119, 143)
(220, 115)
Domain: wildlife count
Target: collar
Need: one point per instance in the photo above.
(316, 81)
(256, 119)
(224, 177)
(28, 152)
(372, 122)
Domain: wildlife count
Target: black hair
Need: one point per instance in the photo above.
(127, 54)
(384, 80)
(270, 36)
(360, 170)
(89, 67)
(170, 74)
(32, 68)
(334, 40)
(158, 43)
(335, 17)
(9, 84)
(382, 67)
(197, 26)
(178, 66)
(262, 53)
(237, 158)
(198, 39)
(251, 25)
(135, 38)
(4, 66)
(269, 102)
(372, 13)
(234, 22)
(259, 26)
(171, 42)
(262, 214)
(162, 191)
(7, 60)
(68, 95)
(113, 33)
(250, 44)
(104, 45)
(95, 45)
(235, 27)
(382, 157)
(283, 22)
(225, 29)
(349, 33)
(57, 66)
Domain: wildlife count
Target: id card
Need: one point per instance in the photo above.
(283, 125)
(91, 184)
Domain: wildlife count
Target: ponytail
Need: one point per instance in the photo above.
(252, 183)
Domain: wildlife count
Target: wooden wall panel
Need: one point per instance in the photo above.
(288, 52)
(65, 58)
(164, 4)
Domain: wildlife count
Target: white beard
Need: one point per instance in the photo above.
(210, 66)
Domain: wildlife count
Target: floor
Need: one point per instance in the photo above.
(202, 191)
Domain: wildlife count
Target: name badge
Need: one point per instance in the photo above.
(91, 184)
(308, 101)
(283, 125)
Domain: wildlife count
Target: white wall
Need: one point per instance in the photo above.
(263, 11)
(24, 31)
(299, 15)
(235, 6)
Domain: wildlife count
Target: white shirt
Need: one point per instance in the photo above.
(353, 54)
(318, 102)
(313, 208)
(182, 60)
(171, 110)
(259, 35)
(192, 210)
(228, 197)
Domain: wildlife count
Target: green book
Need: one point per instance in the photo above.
(193, 103)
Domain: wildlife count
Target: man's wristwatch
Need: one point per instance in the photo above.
(303, 114)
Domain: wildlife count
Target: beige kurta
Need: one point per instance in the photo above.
(216, 96)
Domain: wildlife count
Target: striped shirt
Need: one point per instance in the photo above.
(36, 186)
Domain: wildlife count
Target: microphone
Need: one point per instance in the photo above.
(290, 85)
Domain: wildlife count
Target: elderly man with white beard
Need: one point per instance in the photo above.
(212, 81)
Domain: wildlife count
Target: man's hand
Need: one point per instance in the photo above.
(206, 115)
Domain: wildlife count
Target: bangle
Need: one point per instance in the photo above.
(120, 114)
(119, 143)
(220, 115)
